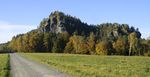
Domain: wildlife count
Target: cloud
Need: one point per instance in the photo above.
(7, 30)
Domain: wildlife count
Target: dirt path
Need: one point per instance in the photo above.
(22, 67)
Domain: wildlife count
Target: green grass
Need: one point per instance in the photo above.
(95, 66)
(4, 65)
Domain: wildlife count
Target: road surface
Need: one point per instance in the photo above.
(22, 67)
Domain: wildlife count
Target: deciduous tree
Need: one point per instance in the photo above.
(133, 43)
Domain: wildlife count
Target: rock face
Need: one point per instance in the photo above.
(53, 24)
(58, 22)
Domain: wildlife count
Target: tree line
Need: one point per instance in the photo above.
(77, 44)
(61, 33)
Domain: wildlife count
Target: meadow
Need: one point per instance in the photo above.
(4, 65)
(94, 65)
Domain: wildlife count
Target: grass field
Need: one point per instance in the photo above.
(4, 66)
(95, 66)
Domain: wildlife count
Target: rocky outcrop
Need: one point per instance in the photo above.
(54, 23)
(58, 22)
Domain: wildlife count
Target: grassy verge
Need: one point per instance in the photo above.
(95, 66)
(4, 65)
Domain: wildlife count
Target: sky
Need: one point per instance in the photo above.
(21, 16)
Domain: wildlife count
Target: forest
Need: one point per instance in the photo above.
(63, 33)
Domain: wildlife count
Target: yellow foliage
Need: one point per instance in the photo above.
(102, 48)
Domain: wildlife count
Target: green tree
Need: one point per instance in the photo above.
(60, 42)
(47, 42)
(36, 42)
(69, 47)
(26, 47)
(77, 44)
(121, 46)
(19, 44)
(103, 48)
(146, 47)
(12, 44)
(80, 45)
(91, 43)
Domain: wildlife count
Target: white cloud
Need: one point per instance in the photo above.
(7, 30)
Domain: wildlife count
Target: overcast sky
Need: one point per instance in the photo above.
(21, 16)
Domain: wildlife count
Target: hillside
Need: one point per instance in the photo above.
(58, 22)
(61, 33)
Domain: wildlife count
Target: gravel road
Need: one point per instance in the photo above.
(22, 67)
